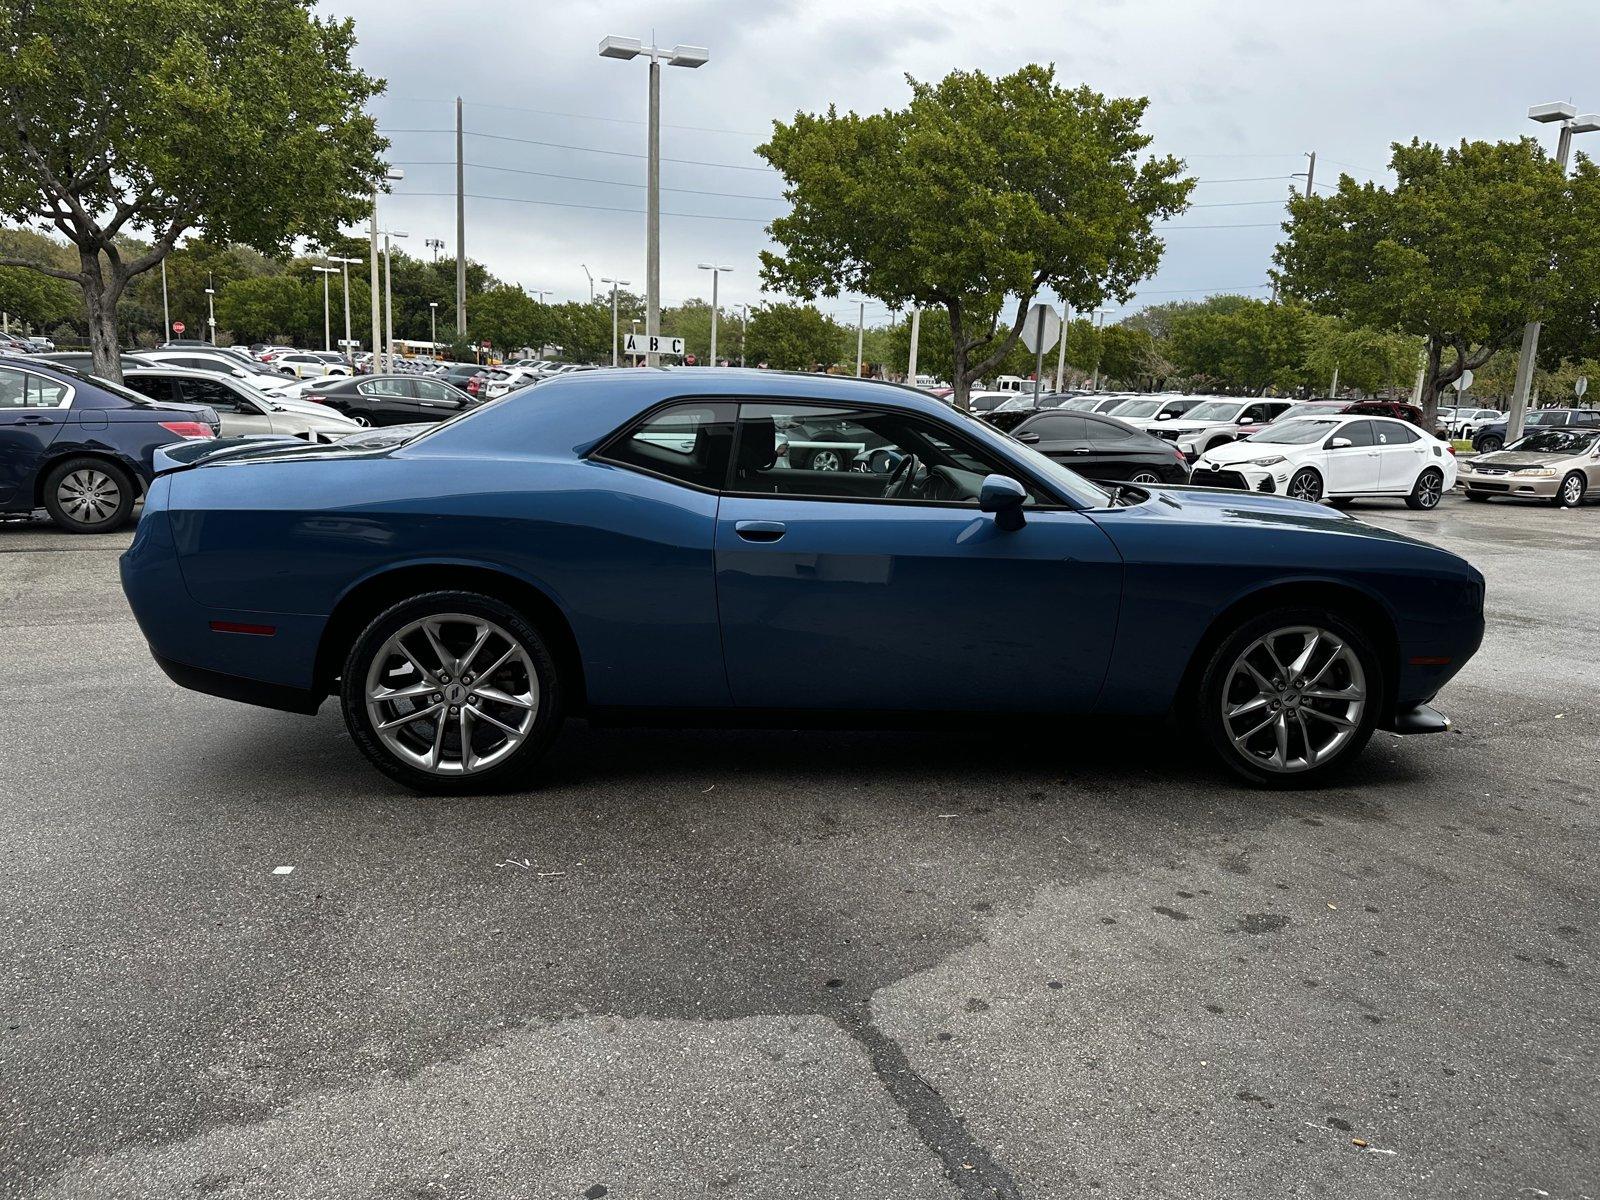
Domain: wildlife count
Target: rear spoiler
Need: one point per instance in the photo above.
(194, 452)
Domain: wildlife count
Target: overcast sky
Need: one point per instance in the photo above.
(1240, 90)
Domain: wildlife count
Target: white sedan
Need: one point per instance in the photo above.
(1335, 458)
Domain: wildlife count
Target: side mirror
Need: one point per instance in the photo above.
(1027, 439)
(1247, 420)
(1003, 496)
(1164, 416)
(1339, 443)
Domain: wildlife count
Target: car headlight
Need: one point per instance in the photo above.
(1187, 446)
(1536, 473)
(1270, 461)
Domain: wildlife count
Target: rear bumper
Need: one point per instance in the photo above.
(235, 687)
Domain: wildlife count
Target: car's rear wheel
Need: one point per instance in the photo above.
(1489, 443)
(361, 420)
(1146, 478)
(1291, 696)
(89, 495)
(1570, 493)
(1427, 491)
(452, 692)
(1306, 485)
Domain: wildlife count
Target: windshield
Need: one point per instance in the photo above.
(1295, 433)
(1557, 441)
(1136, 408)
(1215, 410)
(1017, 404)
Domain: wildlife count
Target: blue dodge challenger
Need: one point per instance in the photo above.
(709, 546)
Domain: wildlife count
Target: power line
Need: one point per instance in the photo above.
(591, 207)
(500, 137)
(441, 162)
(545, 112)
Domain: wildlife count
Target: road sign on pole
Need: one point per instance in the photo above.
(1040, 330)
(177, 327)
(1582, 385)
(1464, 381)
(643, 343)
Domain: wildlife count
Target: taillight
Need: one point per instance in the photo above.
(1450, 447)
(188, 429)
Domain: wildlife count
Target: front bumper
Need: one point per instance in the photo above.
(1531, 487)
(1242, 477)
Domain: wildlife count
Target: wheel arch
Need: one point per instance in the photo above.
(378, 592)
(1346, 600)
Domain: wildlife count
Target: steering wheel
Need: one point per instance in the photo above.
(902, 477)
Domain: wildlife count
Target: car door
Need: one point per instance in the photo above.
(33, 409)
(834, 595)
(1063, 436)
(1401, 454)
(1351, 469)
(387, 400)
(435, 400)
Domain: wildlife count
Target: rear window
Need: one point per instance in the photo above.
(689, 443)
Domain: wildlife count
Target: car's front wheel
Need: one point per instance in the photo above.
(1570, 493)
(1291, 696)
(1306, 485)
(89, 495)
(1489, 444)
(452, 692)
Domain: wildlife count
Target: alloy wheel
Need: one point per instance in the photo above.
(1430, 489)
(88, 496)
(825, 460)
(1144, 477)
(1572, 490)
(1293, 699)
(452, 694)
(1306, 486)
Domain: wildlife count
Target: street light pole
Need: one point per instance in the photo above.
(916, 339)
(1099, 324)
(211, 308)
(393, 174)
(327, 323)
(349, 350)
(1571, 123)
(166, 314)
(744, 329)
(615, 284)
(433, 324)
(1061, 351)
(591, 282)
(677, 56)
(715, 271)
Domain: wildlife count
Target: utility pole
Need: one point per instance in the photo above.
(744, 329)
(861, 333)
(166, 314)
(377, 297)
(433, 323)
(461, 228)
(916, 338)
(211, 308)
(1061, 352)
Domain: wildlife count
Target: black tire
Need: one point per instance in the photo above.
(1478, 497)
(1215, 681)
(1570, 493)
(1427, 491)
(549, 697)
(1489, 443)
(79, 490)
(1305, 484)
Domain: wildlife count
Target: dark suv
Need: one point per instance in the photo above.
(1493, 437)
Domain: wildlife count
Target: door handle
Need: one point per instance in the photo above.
(32, 419)
(760, 531)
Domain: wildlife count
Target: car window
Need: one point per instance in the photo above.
(689, 442)
(382, 387)
(428, 389)
(1059, 427)
(212, 392)
(1111, 432)
(1359, 432)
(1545, 418)
(830, 452)
(1214, 410)
(1399, 434)
(157, 387)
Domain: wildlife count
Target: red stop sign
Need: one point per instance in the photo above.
(689, 359)
(177, 327)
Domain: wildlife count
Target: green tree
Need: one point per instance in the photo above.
(981, 189)
(244, 120)
(1366, 360)
(793, 337)
(38, 300)
(268, 307)
(1470, 243)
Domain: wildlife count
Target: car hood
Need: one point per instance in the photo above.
(1230, 506)
(1242, 451)
(1511, 460)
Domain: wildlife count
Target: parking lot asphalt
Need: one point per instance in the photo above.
(1075, 961)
